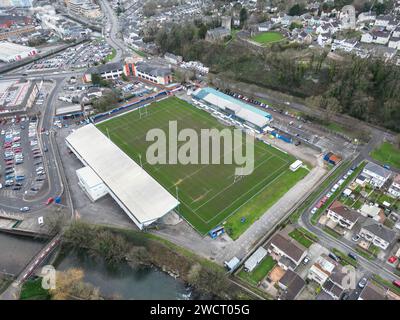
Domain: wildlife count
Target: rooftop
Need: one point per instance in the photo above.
(141, 195)
(288, 246)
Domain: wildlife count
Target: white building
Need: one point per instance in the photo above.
(142, 198)
(296, 165)
(90, 182)
(394, 42)
(378, 234)
(255, 259)
(322, 269)
(339, 213)
(378, 175)
(10, 52)
(394, 188)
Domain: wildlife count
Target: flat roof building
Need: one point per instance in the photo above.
(255, 118)
(17, 95)
(142, 198)
(10, 52)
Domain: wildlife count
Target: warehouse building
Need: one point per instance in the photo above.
(235, 109)
(10, 52)
(17, 95)
(139, 195)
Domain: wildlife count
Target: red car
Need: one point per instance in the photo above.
(323, 200)
(9, 162)
(49, 200)
(392, 259)
(396, 283)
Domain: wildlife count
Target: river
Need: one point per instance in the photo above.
(124, 281)
(16, 252)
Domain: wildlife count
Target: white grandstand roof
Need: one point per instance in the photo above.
(221, 103)
(141, 194)
(252, 117)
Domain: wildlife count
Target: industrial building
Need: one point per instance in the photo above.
(10, 52)
(17, 95)
(233, 108)
(140, 196)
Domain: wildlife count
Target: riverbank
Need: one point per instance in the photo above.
(142, 249)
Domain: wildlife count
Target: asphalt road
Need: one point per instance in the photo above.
(343, 244)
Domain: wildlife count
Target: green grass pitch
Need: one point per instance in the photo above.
(207, 193)
(267, 37)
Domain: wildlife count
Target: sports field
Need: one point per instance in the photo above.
(267, 37)
(209, 194)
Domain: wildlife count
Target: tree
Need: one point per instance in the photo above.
(201, 33)
(70, 285)
(243, 16)
(296, 10)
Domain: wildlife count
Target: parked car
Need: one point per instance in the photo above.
(24, 209)
(352, 255)
(49, 200)
(314, 210)
(363, 282)
(392, 259)
(356, 237)
(306, 260)
(396, 283)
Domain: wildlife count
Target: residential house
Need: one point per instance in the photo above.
(365, 17)
(394, 42)
(378, 175)
(324, 39)
(255, 259)
(292, 284)
(362, 180)
(346, 45)
(322, 269)
(171, 58)
(372, 292)
(378, 234)
(288, 253)
(396, 32)
(394, 188)
(265, 26)
(382, 20)
(371, 211)
(392, 24)
(341, 214)
(304, 37)
(334, 286)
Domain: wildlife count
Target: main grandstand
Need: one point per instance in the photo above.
(236, 109)
(142, 198)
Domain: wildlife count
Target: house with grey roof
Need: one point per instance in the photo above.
(377, 234)
(106, 71)
(334, 286)
(291, 284)
(378, 175)
(343, 215)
